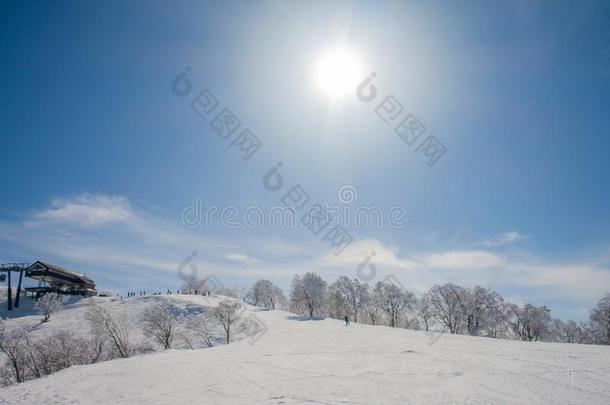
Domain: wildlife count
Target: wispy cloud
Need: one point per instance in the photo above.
(469, 267)
(462, 259)
(241, 258)
(121, 241)
(109, 233)
(87, 210)
(503, 239)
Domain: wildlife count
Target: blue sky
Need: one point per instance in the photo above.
(100, 157)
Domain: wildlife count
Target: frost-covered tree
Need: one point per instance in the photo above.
(50, 303)
(495, 321)
(159, 321)
(195, 285)
(354, 294)
(265, 294)
(13, 343)
(226, 314)
(199, 325)
(55, 352)
(96, 348)
(564, 331)
(424, 311)
(475, 308)
(29, 358)
(393, 300)
(529, 322)
(447, 303)
(116, 330)
(373, 309)
(599, 321)
(570, 332)
(308, 294)
(483, 311)
(277, 298)
(336, 305)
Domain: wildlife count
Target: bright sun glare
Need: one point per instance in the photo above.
(338, 72)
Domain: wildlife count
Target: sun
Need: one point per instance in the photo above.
(338, 72)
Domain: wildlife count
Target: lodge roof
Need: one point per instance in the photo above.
(55, 271)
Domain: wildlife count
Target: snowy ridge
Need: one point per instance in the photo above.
(323, 361)
(73, 316)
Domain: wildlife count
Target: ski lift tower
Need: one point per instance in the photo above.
(5, 273)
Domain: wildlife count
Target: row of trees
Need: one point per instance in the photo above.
(265, 294)
(29, 356)
(476, 311)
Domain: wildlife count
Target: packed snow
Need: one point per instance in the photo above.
(323, 361)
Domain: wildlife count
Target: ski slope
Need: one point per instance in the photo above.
(325, 362)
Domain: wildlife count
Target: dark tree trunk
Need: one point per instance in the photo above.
(9, 293)
(18, 289)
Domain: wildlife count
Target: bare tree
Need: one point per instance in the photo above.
(393, 300)
(96, 347)
(473, 305)
(447, 305)
(55, 352)
(336, 304)
(199, 326)
(277, 298)
(424, 311)
(308, 294)
(159, 322)
(373, 309)
(265, 294)
(599, 321)
(529, 322)
(226, 313)
(195, 285)
(13, 343)
(570, 332)
(116, 330)
(353, 293)
(50, 303)
(34, 358)
(483, 311)
(495, 322)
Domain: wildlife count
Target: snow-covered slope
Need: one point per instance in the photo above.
(322, 361)
(73, 316)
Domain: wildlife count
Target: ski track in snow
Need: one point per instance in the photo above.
(324, 362)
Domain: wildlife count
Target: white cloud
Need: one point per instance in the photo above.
(110, 234)
(241, 258)
(462, 259)
(580, 280)
(469, 267)
(504, 239)
(115, 237)
(87, 210)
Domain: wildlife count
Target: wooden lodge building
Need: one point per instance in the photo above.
(50, 277)
(59, 279)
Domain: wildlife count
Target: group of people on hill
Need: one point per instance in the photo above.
(143, 293)
(169, 292)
